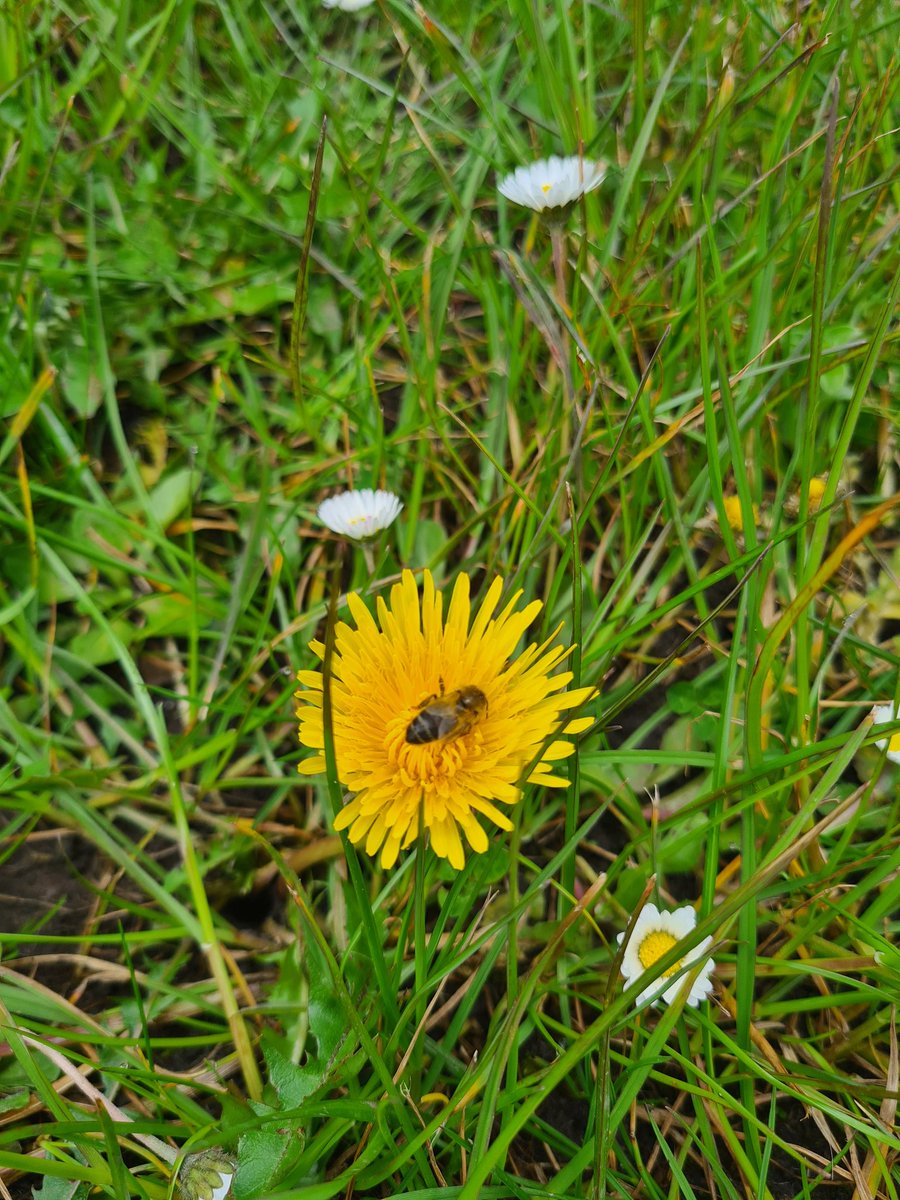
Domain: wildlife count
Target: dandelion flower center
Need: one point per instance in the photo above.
(653, 947)
(482, 716)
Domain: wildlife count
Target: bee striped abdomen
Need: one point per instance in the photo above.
(446, 716)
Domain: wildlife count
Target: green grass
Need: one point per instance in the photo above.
(184, 936)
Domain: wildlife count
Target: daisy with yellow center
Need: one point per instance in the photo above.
(881, 715)
(359, 514)
(655, 933)
(552, 183)
(430, 712)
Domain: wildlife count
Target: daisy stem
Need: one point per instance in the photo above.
(420, 949)
(558, 246)
(558, 249)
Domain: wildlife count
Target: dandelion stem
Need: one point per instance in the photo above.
(420, 947)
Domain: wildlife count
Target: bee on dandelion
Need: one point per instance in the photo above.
(433, 714)
(448, 716)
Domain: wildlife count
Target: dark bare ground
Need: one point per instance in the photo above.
(44, 890)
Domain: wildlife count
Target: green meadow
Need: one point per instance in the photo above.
(255, 255)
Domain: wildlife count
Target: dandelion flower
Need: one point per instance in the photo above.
(347, 5)
(654, 934)
(882, 713)
(359, 514)
(552, 183)
(431, 713)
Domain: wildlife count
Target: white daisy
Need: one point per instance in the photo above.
(552, 183)
(347, 5)
(880, 714)
(359, 514)
(654, 934)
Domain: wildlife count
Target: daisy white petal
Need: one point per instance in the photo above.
(359, 514)
(655, 933)
(552, 183)
(347, 5)
(881, 714)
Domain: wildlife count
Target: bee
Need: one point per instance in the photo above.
(446, 716)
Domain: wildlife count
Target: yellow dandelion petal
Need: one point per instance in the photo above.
(558, 750)
(375, 836)
(390, 852)
(579, 725)
(481, 716)
(454, 853)
(312, 766)
(458, 613)
(577, 697)
(312, 736)
(364, 621)
(501, 820)
(348, 818)
(487, 610)
(546, 780)
(475, 835)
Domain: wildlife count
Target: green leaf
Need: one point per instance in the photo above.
(15, 1100)
(292, 1083)
(80, 382)
(12, 610)
(168, 614)
(430, 543)
(55, 1188)
(837, 383)
(629, 887)
(266, 1155)
(171, 495)
(327, 1023)
(682, 849)
(94, 645)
